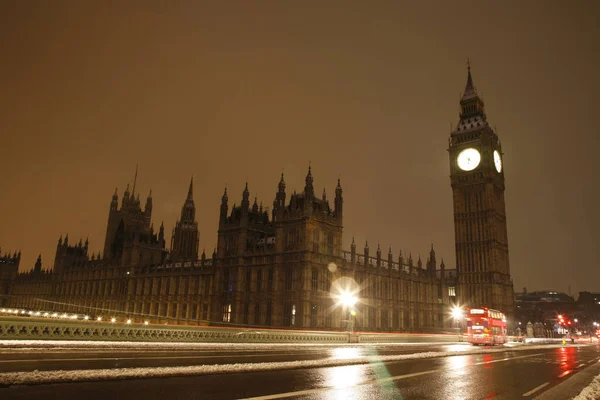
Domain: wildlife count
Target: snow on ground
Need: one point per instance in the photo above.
(349, 358)
(11, 346)
(591, 392)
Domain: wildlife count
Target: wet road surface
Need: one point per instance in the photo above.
(503, 373)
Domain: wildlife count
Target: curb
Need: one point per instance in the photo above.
(573, 385)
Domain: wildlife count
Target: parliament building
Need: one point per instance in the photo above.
(284, 267)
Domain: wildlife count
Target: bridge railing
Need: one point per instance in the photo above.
(45, 329)
(15, 328)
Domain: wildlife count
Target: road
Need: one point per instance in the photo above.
(382, 371)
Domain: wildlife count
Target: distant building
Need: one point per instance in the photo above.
(588, 307)
(543, 306)
(9, 267)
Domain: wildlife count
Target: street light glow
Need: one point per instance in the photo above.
(348, 299)
(457, 313)
(344, 291)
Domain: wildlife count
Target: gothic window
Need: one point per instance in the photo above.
(257, 314)
(227, 313)
(315, 280)
(246, 311)
(248, 280)
(384, 319)
(225, 280)
(186, 285)
(270, 282)
(196, 285)
(313, 315)
(183, 311)
(330, 243)
(168, 286)
(287, 314)
(288, 278)
(174, 310)
(206, 285)
(258, 280)
(194, 309)
(452, 291)
(268, 317)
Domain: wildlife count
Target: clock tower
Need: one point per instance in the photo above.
(477, 180)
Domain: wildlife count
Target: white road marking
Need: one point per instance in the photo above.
(581, 365)
(567, 372)
(372, 381)
(532, 391)
(313, 391)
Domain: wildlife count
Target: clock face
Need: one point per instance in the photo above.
(468, 159)
(497, 161)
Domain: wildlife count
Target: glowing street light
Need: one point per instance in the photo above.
(146, 323)
(99, 319)
(348, 299)
(128, 322)
(457, 314)
(113, 320)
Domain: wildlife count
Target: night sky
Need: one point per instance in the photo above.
(242, 91)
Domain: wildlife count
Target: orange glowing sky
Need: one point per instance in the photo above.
(239, 91)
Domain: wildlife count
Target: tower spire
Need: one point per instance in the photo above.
(470, 90)
(190, 195)
(134, 180)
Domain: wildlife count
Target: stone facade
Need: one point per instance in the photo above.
(286, 267)
(277, 269)
(477, 180)
(9, 267)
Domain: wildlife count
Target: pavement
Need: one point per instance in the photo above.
(374, 371)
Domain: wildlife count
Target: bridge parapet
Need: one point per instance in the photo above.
(44, 329)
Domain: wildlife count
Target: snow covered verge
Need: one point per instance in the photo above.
(591, 392)
(36, 345)
(8, 346)
(65, 376)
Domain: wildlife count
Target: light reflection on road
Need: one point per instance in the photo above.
(344, 379)
(458, 347)
(346, 353)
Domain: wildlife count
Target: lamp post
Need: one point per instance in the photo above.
(457, 314)
(349, 300)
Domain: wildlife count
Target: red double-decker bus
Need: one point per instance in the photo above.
(486, 326)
